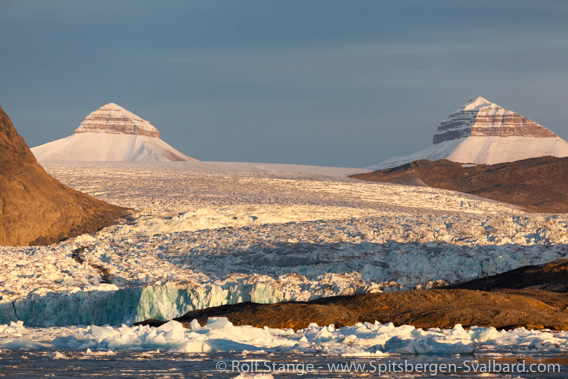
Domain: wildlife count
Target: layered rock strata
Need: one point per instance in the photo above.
(481, 117)
(112, 118)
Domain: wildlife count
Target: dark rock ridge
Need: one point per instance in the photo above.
(533, 297)
(36, 209)
(536, 184)
(481, 117)
(114, 119)
(552, 277)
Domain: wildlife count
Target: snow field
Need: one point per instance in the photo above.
(484, 150)
(107, 147)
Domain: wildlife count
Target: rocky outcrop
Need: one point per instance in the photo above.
(114, 119)
(36, 209)
(537, 184)
(481, 117)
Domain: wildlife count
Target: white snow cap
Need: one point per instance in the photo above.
(480, 106)
(478, 103)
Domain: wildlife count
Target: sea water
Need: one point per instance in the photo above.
(137, 364)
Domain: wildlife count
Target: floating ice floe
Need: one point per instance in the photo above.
(220, 335)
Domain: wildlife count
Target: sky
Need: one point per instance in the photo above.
(319, 82)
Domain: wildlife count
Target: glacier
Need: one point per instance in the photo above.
(209, 233)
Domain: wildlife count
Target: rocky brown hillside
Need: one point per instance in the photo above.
(537, 184)
(36, 209)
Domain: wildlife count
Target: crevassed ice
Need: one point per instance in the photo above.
(208, 234)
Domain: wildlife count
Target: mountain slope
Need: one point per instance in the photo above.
(111, 133)
(34, 207)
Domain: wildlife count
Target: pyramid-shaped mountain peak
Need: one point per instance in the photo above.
(111, 133)
(112, 118)
(482, 132)
(481, 117)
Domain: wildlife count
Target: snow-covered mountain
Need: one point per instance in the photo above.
(111, 133)
(482, 132)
